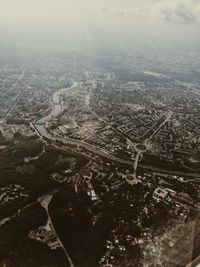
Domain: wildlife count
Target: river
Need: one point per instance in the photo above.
(56, 104)
(57, 108)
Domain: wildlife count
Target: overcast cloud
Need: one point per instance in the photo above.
(176, 11)
(29, 11)
(100, 19)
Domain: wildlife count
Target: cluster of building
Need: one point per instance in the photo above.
(12, 131)
(169, 197)
(25, 93)
(127, 108)
(178, 140)
(46, 235)
(79, 122)
(12, 192)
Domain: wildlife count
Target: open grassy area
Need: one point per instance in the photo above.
(33, 176)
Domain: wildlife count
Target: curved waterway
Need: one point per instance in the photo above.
(57, 108)
(56, 104)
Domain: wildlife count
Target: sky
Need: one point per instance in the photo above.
(178, 17)
(41, 11)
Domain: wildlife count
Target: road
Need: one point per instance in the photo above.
(121, 133)
(14, 84)
(172, 172)
(42, 132)
(5, 220)
(194, 263)
(136, 163)
(45, 201)
(17, 98)
(168, 117)
(57, 108)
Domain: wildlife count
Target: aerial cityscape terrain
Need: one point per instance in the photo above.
(99, 153)
(99, 164)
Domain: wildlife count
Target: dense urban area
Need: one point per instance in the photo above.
(100, 160)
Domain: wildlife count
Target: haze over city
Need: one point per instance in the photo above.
(99, 133)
